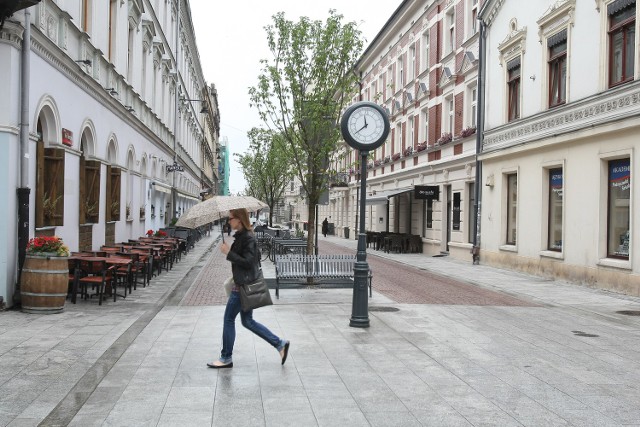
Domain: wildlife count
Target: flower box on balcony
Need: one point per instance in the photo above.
(408, 151)
(395, 157)
(444, 139)
(467, 132)
(377, 162)
(421, 147)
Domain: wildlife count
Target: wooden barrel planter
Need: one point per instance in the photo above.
(44, 283)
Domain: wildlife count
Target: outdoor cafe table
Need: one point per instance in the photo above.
(120, 262)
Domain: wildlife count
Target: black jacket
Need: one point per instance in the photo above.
(245, 264)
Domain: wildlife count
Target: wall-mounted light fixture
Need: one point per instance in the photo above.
(112, 91)
(84, 61)
(204, 109)
(490, 181)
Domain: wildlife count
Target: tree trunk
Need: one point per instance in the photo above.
(311, 230)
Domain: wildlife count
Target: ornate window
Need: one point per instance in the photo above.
(622, 33)
(512, 51)
(555, 33)
(557, 69)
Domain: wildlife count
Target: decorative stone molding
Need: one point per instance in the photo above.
(596, 110)
(514, 44)
(469, 63)
(12, 34)
(489, 11)
(558, 16)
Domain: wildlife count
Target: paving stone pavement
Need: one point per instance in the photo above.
(568, 359)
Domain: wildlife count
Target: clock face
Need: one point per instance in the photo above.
(365, 126)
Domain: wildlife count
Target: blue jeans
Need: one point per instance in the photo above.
(229, 328)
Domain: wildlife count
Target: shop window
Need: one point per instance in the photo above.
(512, 208)
(429, 213)
(556, 191)
(50, 186)
(619, 183)
(471, 209)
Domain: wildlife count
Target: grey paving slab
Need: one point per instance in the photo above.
(429, 365)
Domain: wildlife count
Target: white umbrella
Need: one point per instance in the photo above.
(216, 208)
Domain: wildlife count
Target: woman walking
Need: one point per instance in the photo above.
(244, 264)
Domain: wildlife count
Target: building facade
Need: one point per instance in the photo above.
(561, 135)
(120, 124)
(422, 68)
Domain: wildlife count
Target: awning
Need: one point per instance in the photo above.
(382, 197)
(161, 187)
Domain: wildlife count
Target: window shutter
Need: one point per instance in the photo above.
(39, 184)
(108, 201)
(54, 184)
(82, 191)
(115, 194)
(92, 187)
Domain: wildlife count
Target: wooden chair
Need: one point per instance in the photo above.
(136, 269)
(96, 274)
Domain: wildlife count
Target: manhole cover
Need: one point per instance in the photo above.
(629, 312)
(387, 309)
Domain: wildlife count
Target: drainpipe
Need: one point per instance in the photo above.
(475, 251)
(174, 193)
(23, 191)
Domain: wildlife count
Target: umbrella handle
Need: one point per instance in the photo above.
(221, 230)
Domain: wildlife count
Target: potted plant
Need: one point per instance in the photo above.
(49, 206)
(45, 276)
(387, 159)
(160, 233)
(90, 210)
(408, 151)
(149, 233)
(128, 210)
(115, 209)
(422, 146)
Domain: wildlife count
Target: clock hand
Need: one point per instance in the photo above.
(363, 127)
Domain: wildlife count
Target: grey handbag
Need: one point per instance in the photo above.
(255, 295)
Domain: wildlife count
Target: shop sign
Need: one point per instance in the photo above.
(67, 137)
(427, 192)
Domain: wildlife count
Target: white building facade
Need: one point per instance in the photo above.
(422, 68)
(103, 122)
(559, 190)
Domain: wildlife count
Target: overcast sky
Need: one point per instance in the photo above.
(231, 41)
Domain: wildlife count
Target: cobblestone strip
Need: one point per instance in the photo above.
(207, 288)
(410, 285)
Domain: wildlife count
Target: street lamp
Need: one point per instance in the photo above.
(364, 126)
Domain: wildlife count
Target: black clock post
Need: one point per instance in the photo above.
(364, 126)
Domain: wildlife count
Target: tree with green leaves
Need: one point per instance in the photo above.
(302, 91)
(266, 167)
